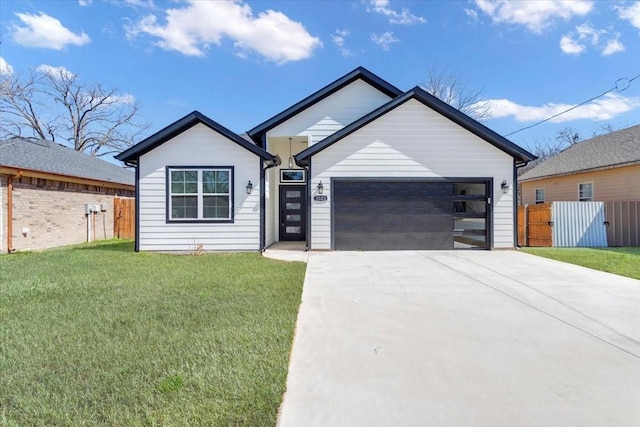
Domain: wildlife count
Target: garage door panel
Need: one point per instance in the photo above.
(393, 215)
(356, 241)
(394, 223)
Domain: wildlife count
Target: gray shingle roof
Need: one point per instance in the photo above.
(614, 149)
(47, 156)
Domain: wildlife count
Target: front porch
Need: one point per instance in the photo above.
(286, 199)
(287, 251)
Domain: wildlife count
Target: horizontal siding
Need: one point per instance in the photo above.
(333, 113)
(608, 185)
(199, 146)
(413, 141)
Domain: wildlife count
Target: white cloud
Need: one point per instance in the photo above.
(404, 17)
(121, 99)
(472, 14)
(191, 29)
(575, 42)
(5, 68)
(604, 108)
(536, 15)
(384, 40)
(140, 3)
(631, 14)
(85, 2)
(613, 46)
(45, 31)
(570, 46)
(339, 39)
(55, 72)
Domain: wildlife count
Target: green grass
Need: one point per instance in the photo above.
(621, 261)
(100, 335)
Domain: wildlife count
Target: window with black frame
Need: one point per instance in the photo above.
(199, 194)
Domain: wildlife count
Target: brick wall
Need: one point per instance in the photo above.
(54, 212)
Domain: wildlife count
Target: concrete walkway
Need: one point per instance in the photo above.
(287, 251)
(466, 338)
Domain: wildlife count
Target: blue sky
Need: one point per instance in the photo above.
(241, 62)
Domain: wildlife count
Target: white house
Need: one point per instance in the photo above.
(357, 165)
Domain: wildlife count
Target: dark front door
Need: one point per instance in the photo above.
(292, 212)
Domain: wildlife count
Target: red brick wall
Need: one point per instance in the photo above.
(54, 213)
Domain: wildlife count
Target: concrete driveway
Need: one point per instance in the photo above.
(464, 338)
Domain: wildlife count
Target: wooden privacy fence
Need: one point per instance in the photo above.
(124, 218)
(588, 224)
(534, 225)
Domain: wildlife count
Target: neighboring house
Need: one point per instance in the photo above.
(358, 164)
(44, 190)
(601, 169)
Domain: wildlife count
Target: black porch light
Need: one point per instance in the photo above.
(249, 187)
(320, 187)
(504, 186)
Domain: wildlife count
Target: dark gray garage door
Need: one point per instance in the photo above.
(403, 214)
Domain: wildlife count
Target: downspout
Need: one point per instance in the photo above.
(515, 204)
(10, 248)
(309, 199)
(275, 161)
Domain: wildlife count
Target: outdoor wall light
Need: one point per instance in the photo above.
(320, 187)
(249, 187)
(504, 186)
(290, 155)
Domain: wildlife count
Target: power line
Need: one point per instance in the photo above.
(618, 87)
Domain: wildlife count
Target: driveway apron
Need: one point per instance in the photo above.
(462, 338)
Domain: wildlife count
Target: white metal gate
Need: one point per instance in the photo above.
(579, 224)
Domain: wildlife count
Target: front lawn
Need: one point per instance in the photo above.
(100, 335)
(621, 261)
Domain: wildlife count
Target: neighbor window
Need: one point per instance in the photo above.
(585, 192)
(200, 194)
(539, 195)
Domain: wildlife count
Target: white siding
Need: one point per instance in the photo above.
(199, 146)
(333, 113)
(412, 141)
(271, 205)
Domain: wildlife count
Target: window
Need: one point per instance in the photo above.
(585, 192)
(539, 195)
(200, 194)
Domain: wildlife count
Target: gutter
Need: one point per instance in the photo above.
(10, 248)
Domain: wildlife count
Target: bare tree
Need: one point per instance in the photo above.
(53, 103)
(452, 89)
(548, 148)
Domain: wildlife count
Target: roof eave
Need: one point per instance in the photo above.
(596, 169)
(521, 155)
(359, 73)
(131, 155)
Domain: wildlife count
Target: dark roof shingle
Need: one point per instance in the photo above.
(611, 150)
(48, 156)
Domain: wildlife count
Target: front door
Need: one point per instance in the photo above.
(292, 212)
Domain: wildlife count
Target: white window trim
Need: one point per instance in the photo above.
(592, 191)
(535, 195)
(200, 194)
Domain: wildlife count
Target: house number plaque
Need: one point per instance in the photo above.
(320, 198)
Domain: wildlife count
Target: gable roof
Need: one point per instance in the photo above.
(132, 154)
(359, 73)
(49, 157)
(520, 154)
(616, 149)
